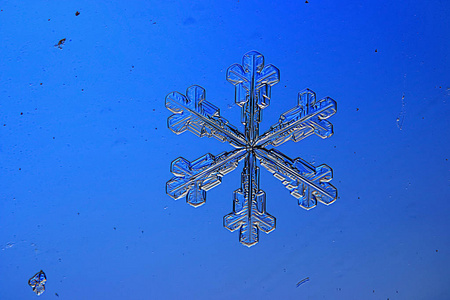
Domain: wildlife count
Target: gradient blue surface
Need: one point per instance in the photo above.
(84, 156)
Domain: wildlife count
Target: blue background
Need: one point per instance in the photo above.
(83, 169)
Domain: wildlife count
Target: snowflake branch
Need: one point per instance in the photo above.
(193, 179)
(307, 118)
(307, 183)
(199, 116)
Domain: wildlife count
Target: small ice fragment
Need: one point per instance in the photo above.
(402, 113)
(37, 282)
(302, 281)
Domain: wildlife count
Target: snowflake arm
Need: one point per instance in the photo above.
(252, 81)
(307, 183)
(307, 118)
(249, 207)
(193, 179)
(192, 112)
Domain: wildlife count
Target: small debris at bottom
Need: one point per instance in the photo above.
(37, 282)
(302, 281)
(60, 43)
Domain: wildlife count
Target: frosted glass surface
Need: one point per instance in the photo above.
(86, 151)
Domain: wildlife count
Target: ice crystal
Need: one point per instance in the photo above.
(37, 282)
(253, 82)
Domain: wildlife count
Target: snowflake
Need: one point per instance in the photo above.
(253, 82)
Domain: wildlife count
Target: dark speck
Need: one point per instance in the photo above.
(153, 109)
(53, 137)
(156, 128)
(114, 228)
(437, 250)
(20, 169)
(357, 109)
(40, 83)
(306, 1)
(21, 113)
(77, 13)
(56, 294)
(60, 43)
(376, 50)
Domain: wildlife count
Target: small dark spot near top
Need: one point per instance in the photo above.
(40, 83)
(376, 50)
(20, 169)
(21, 113)
(373, 291)
(334, 146)
(48, 20)
(132, 66)
(153, 109)
(440, 87)
(142, 231)
(53, 137)
(78, 213)
(154, 22)
(354, 152)
(77, 13)
(306, 1)
(82, 90)
(114, 228)
(357, 109)
(4, 124)
(56, 294)
(437, 250)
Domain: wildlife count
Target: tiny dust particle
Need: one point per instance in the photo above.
(376, 50)
(60, 43)
(77, 13)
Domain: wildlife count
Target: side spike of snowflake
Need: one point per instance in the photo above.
(253, 81)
